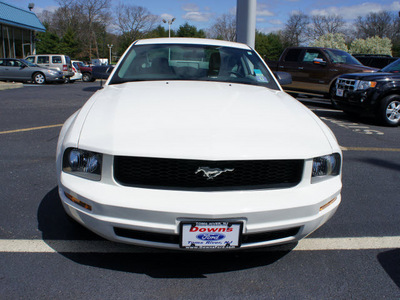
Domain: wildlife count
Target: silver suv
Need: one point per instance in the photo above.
(58, 62)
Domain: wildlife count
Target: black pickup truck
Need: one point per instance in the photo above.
(375, 94)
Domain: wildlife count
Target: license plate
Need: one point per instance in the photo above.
(211, 234)
(339, 92)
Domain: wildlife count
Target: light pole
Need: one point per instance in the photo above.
(169, 25)
(110, 47)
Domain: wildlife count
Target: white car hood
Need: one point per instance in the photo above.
(200, 120)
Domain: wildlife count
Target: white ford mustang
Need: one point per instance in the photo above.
(192, 144)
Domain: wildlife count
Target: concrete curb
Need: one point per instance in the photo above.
(10, 85)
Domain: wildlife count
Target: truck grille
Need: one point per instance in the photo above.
(192, 174)
(346, 84)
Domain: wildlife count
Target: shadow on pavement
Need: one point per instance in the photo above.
(390, 261)
(56, 225)
(92, 89)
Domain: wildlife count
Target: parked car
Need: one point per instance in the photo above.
(193, 144)
(85, 70)
(314, 70)
(22, 70)
(58, 62)
(375, 61)
(77, 74)
(376, 94)
(102, 72)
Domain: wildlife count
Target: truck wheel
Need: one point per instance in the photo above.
(39, 78)
(389, 110)
(86, 77)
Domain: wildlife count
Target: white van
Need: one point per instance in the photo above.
(58, 62)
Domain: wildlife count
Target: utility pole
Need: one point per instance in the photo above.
(246, 22)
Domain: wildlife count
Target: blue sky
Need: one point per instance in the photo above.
(271, 14)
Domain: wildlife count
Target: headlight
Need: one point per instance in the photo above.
(82, 163)
(363, 85)
(324, 166)
(52, 72)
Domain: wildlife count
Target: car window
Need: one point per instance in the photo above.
(193, 62)
(28, 63)
(30, 59)
(394, 67)
(2, 62)
(17, 63)
(293, 55)
(56, 60)
(311, 54)
(341, 57)
(43, 60)
(13, 63)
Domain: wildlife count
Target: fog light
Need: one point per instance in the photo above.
(77, 201)
(327, 204)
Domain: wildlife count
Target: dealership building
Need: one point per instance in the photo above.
(17, 31)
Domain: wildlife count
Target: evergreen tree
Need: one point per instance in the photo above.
(69, 45)
(47, 42)
(159, 31)
(187, 30)
(269, 46)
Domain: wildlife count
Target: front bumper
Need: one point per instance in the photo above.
(152, 218)
(361, 102)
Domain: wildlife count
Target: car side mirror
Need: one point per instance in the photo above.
(283, 77)
(319, 61)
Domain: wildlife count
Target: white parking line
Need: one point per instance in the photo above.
(77, 246)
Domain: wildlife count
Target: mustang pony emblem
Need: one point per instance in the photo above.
(211, 173)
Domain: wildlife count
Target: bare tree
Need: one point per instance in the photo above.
(295, 31)
(321, 25)
(96, 12)
(382, 24)
(224, 28)
(135, 21)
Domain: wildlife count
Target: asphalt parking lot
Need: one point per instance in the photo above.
(45, 255)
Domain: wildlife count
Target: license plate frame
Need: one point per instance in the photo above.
(211, 234)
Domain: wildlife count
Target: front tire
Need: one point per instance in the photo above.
(39, 78)
(389, 110)
(86, 77)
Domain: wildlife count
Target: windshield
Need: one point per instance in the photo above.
(341, 57)
(28, 63)
(193, 62)
(394, 67)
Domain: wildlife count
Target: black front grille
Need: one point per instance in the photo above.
(191, 174)
(346, 84)
(174, 239)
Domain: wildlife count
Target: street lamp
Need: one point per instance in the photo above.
(169, 25)
(110, 47)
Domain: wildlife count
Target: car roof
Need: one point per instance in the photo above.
(47, 54)
(194, 41)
